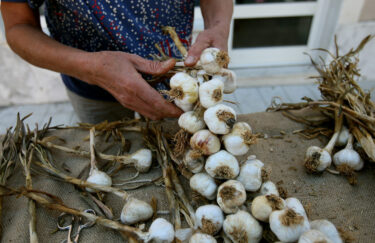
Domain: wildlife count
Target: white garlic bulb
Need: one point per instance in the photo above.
(135, 211)
(213, 60)
(211, 93)
(220, 118)
(204, 185)
(210, 218)
(205, 142)
(348, 156)
(184, 90)
(229, 79)
(161, 231)
(342, 140)
(192, 162)
(222, 165)
(191, 122)
(296, 205)
(263, 206)
(327, 228)
(251, 174)
(200, 76)
(237, 142)
(143, 159)
(317, 159)
(269, 188)
(230, 196)
(184, 234)
(98, 177)
(313, 236)
(202, 238)
(288, 225)
(242, 227)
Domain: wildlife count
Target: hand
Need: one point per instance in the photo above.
(212, 37)
(117, 72)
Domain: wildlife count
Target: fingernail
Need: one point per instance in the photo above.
(190, 60)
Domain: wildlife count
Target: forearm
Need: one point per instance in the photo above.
(217, 14)
(34, 46)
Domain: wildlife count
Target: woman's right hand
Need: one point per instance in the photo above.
(118, 73)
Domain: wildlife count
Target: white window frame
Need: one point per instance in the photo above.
(325, 17)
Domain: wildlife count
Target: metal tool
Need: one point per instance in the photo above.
(70, 225)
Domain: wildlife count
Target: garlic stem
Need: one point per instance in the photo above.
(349, 145)
(92, 150)
(338, 126)
(172, 33)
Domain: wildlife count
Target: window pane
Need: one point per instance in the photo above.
(264, 32)
(270, 1)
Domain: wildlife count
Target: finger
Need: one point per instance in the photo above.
(151, 67)
(196, 49)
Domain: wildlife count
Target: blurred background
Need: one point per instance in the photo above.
(267, 45)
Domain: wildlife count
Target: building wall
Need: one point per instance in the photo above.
(368, 11)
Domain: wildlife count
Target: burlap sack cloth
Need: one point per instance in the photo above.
(328, 196)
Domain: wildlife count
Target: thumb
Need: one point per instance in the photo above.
(152, 67)
(195, 52)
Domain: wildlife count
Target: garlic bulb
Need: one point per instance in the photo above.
(144, 160)
(210, 218)
(230, 196)
(288, 225)
(183, 235)
(200, 76)
(205, 142)
(98, 177)
(220, 118)
(202, 238)
(135, 211)
(251, 174)
(184, 90)
(191, 122)
(242, 227)
(237, 142)
(342, 140)
(192, 163)
(161, 231)
(213, 60)
(313, 236)
(348, 156)
(263, 206)
(296, 205)
(229, 79)
(211, 93)
(328, 229)
(222, 165)
(269, 188)
(204, 185)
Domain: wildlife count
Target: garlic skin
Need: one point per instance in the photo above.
(230, 196)
(213, 60)
(195, 165)
(327, 228)
(184, 90)
(313, 236)
(202, 238)
(161, 231)
(190, 122)
(323, 158)
(348, 156)
(144, 160)
(220, 118)
(184, 235)
(204, 185)
(229, 78)
(211, 93)
(200, 77)
(263, 206)
(98, 177)
(343, 138)
(269, 188)
(242, 227)
(135, 211)
(209, 218)
(288, 225)
(222, 165)
(251, 174)
(238, 140)
(205, 142)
